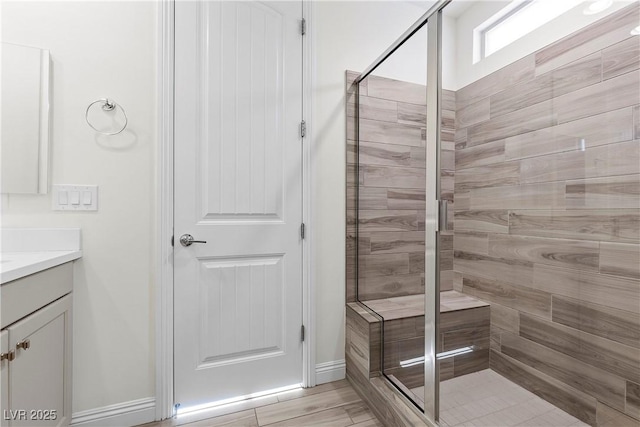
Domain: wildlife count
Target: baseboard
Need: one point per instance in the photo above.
(330, 371)
(131, 413)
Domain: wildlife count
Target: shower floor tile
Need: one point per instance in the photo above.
(487, 399)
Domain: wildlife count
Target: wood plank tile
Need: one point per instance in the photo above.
(517, 297)
(577, 224)
(374, 422)
(493, 221)
(392, 177)
(359, 412)
(616, 292)
(512, 271)
(565, 397)
(612, 94)
(449, 99)
(576, 75)
(372, 153)
(611, 323)
(406, 198)
(302, 392)
(534, 117)
(597, 36)
(609, 417)
(549, 195)
(458, 319)
(369, 198)
(478, 337)
(412, 114)
(389, 133)
(237, 419)
(388, 220)
(505, 318)
(616, 192)
(388, 286)
(632, 406)
(374, 109)
(396, 90)
(579, 254)
(620, 259)
(621, 58)
(485, 154)
(636, 122)
(495, 175)
(457, 301)
(601, 129)
(594, 381)
(468, 363)
(475, 113)
(518, 71)
(336, 417)
(383, 265)
(619, 359)
(396, 242)
(622, 158)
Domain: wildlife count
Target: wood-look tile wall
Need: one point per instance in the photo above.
(391, 187)
(547, 217)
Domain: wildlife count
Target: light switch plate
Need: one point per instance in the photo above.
(75, 197)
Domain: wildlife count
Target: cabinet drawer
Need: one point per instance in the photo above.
(23, 296)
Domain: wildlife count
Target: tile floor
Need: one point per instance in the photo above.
(333, 404)
(487, 399)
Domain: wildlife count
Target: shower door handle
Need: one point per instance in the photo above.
(443, 213)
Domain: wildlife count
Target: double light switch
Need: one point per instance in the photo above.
(75, 197)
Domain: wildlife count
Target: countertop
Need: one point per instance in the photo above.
(15, 265)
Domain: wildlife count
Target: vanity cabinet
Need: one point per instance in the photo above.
(35, 377)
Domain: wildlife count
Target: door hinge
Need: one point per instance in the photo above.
(302, 333)
(303, 128)
(302, 230)
(303, 26)
(171, 241)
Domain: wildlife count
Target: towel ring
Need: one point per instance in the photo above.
(107, 105)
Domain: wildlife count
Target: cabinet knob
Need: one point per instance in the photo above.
(24, 344)
(4, 356)
(9, 356)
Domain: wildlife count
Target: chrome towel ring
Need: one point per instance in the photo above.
(107, 105)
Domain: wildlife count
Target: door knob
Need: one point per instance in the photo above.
(187, 240)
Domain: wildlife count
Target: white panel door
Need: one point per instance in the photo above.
(238, 186)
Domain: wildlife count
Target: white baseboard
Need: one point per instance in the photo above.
(330, 371)
(131, 413)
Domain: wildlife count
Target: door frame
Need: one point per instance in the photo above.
(164, 283)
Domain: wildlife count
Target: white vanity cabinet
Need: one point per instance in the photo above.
(35, 377)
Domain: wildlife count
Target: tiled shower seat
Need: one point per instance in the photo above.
(464, 322)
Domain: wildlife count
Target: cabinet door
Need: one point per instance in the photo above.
(39, 376)
(4, 377)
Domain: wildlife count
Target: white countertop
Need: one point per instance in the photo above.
(15, 265)
(25, 251)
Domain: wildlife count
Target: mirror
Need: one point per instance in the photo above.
(24, 133)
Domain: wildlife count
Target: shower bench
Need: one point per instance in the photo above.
(464, 324)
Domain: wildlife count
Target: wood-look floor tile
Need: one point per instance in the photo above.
(359, 412)
(610, 291)
(335, 417)
(369, 423)
(237, 419)
(619, 359)
(611, 323)
(606, 128)
(621, 58)
(620, 259)
(298, 393)
(560, 252)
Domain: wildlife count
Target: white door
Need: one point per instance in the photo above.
(238, 186)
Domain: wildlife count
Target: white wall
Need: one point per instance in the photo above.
(100, 49)
(348, 36)
(467, 72)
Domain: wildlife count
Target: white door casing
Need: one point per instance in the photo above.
(237, 186)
